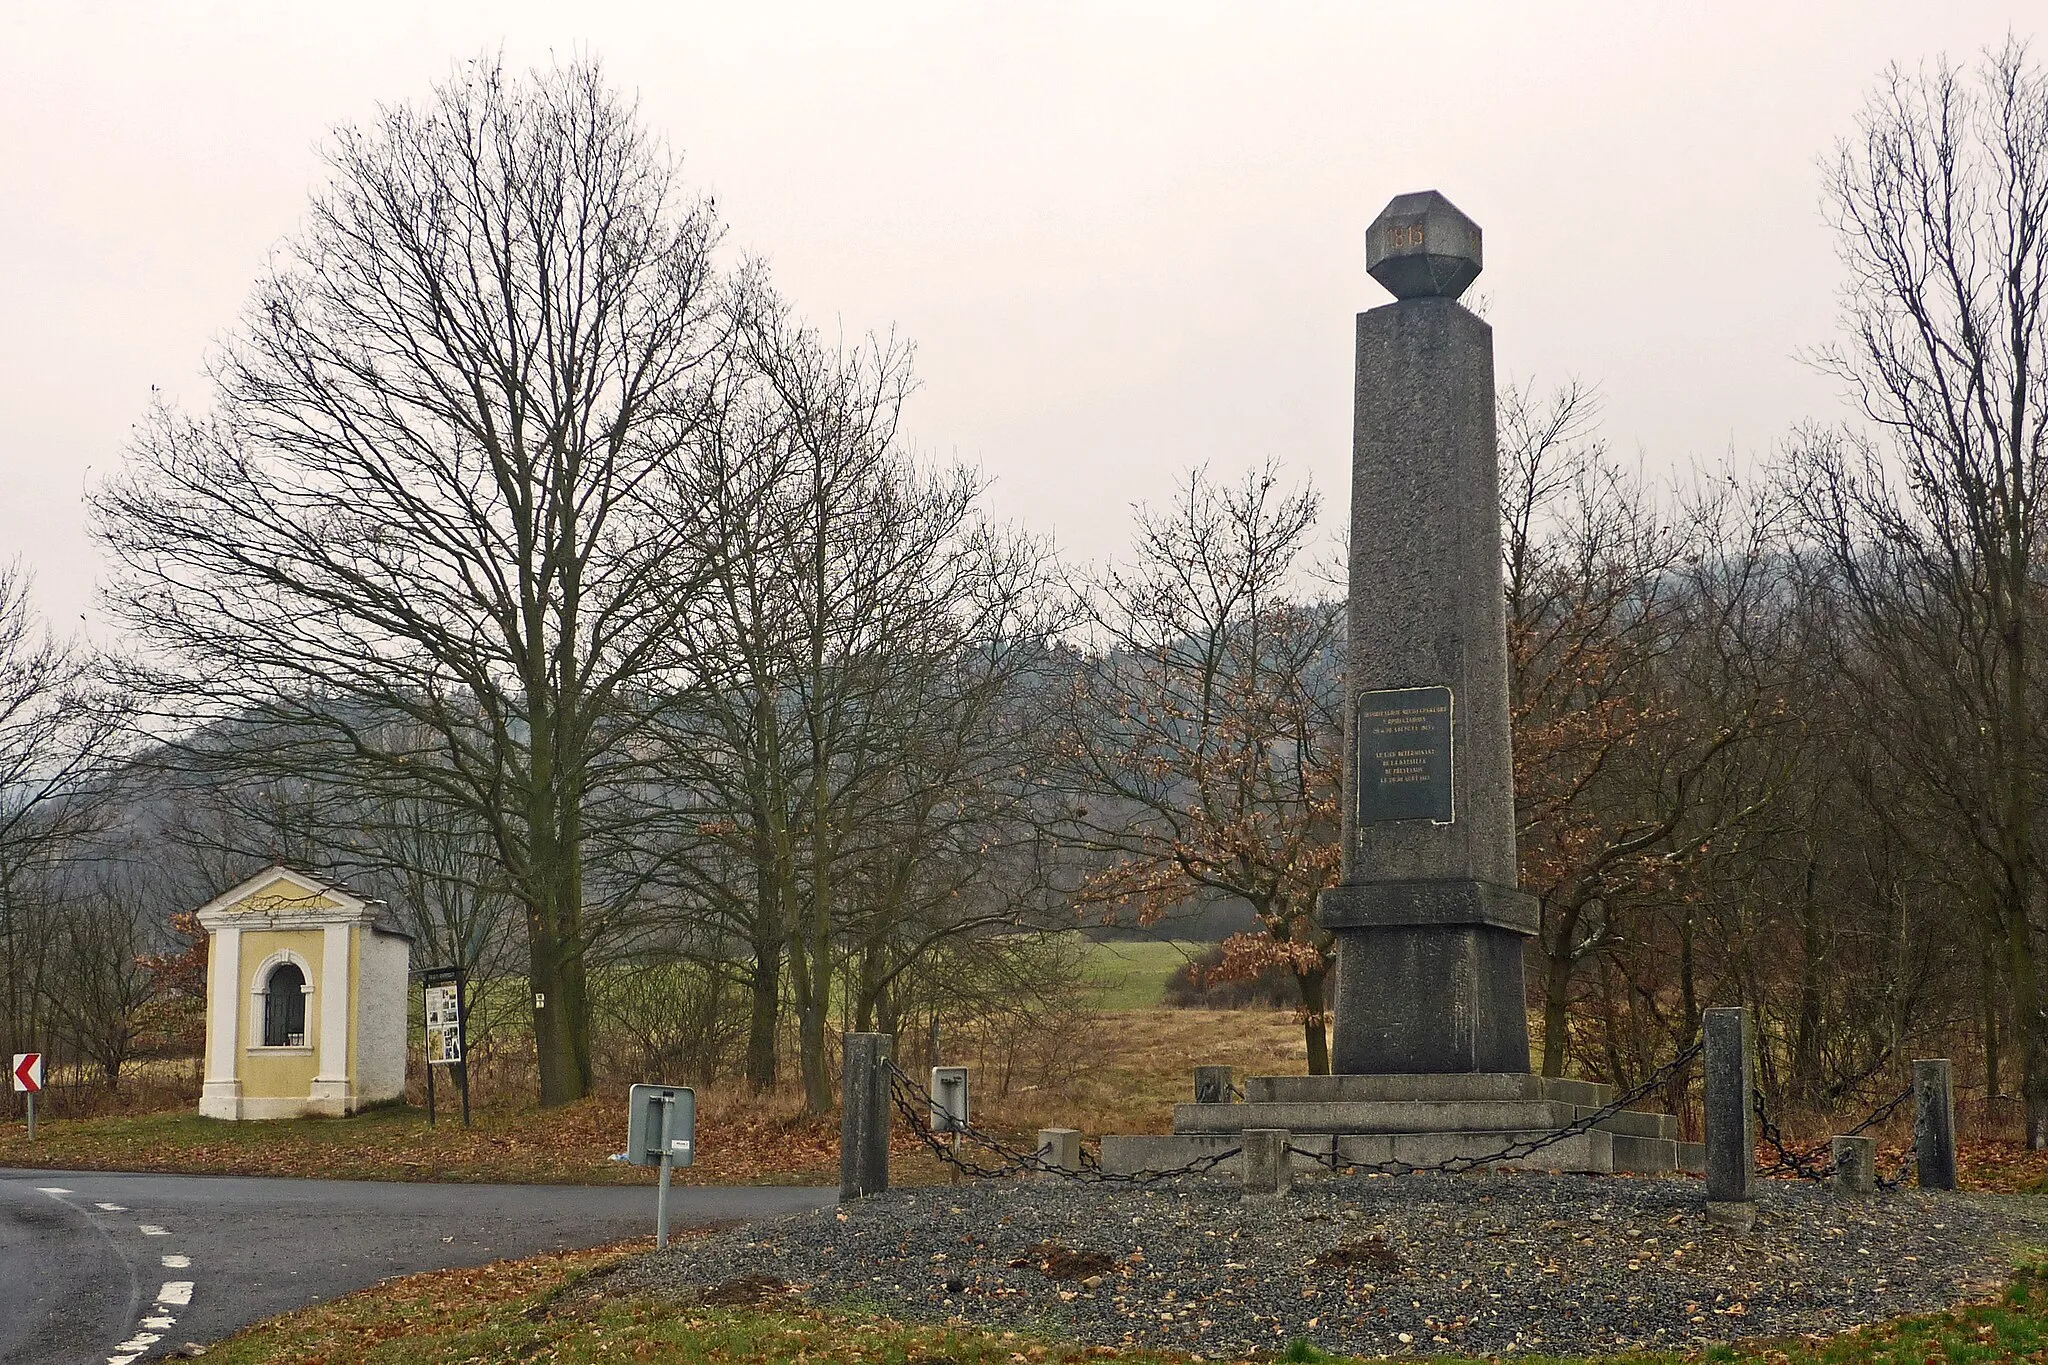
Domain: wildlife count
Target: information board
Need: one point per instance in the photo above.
(444, 1025)
(1404, 755)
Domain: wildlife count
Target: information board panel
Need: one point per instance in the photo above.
(444, 1025)
(1404, 769)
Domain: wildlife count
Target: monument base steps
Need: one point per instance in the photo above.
(1419, 1120)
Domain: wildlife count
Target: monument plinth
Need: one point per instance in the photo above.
(1431, 1046)
(1428, 921)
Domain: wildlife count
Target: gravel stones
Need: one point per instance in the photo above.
(1490, 1263)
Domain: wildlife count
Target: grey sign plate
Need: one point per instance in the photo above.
(1404, 755)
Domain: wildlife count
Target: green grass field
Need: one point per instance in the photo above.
(1133, 975)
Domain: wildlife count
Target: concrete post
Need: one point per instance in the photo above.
(1061, 1148)
(1266, 1163)
(1855, 1161)
(1934, 1123)
(1731, 1125)
(864, 1115)
(1212, 1084)
(1428, 921)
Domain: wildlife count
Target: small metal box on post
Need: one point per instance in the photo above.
(1934, 1123)
(661, 1130)
(864, 1115)
(1731, 1125)
(949, 1106)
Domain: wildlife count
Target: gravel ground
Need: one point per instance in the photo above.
(1362, 1265)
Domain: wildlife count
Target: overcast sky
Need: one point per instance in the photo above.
(1125, 239)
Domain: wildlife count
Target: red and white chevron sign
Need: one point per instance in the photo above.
(28, 1071)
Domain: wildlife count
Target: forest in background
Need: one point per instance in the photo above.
(536, 570)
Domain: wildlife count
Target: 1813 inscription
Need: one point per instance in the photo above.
(1404, 755)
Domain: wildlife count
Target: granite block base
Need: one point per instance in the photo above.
(1418, 1120)
(1429, 998)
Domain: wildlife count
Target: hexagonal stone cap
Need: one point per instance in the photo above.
(1422, 247)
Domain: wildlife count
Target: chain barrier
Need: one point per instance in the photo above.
(1805, 1165)
(1908, 1165)
(915, 1104)
(1514, 1151)
(1809, 1164)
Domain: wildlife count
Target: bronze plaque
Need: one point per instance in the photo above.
(1404, 755)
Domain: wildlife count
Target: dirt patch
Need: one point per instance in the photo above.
(1058, 1262)
(748, 1291)
(1369, 1253)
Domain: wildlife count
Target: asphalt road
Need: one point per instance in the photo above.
(117, 1268)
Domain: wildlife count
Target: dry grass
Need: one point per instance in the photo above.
(1138, 1065)
(1141, 1063)
(555, 1308)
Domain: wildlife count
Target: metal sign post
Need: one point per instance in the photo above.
(661, 1130)
(447, 1021)
(28, 1079)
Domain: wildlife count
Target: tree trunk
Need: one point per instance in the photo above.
(764, 1015)
(2026, 992)
(1557, 992)
(561, 1014)
(552, 1044)
(817, 1003)
(1806, 1027)
(1988, 988)
(765, 981)
(1315, 1023)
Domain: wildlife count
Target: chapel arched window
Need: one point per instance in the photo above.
(284, 1007)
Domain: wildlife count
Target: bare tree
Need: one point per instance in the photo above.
(1934, 520)
(1632, 672)
(423, 544)
(1202, 746)
(106, 927)
(55, 742)
(845, 731)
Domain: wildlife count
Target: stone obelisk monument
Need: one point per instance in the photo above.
(1431, 1055)
(1428, 921)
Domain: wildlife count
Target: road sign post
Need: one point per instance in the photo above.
(447, 1023)
(28, 1080)
(661, 1130)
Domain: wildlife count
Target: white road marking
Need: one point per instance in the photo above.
(175, 1292)
(177, 1263)
(160, 1322)
(152, 1230)
(51, 1189)
(124, 1360)
(112, 1208)
(139, 1343)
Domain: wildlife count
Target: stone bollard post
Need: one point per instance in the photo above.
(1061, 1147)
(1934, 1123)
(1212, 1084)
(1855, 1161)
(1731, 1125)
(864, 1115)
(1266, 1163)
